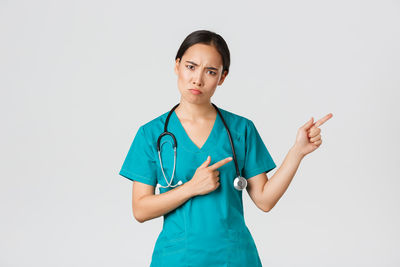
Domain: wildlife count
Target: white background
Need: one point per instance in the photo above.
(78, 78)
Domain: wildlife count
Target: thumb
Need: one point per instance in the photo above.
(206, 163)
(308, 124)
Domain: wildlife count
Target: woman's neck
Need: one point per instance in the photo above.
(195, 112)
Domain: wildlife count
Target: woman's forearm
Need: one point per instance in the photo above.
(279, 182)
(153, 206)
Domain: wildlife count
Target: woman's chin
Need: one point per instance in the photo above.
(196, 99)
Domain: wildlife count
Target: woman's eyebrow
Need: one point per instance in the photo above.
(211, 68)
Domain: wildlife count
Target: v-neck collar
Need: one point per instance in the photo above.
(184, 139)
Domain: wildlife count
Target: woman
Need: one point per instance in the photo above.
(200, 197)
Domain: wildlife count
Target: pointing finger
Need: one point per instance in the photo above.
(323, 120)
(205, 163)
(220, 163)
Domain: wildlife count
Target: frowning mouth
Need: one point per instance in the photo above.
(195, 91)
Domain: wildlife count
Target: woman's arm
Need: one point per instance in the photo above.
(277, 185)
(146, 205)
(266, 193)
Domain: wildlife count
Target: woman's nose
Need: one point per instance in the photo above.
(198, 78)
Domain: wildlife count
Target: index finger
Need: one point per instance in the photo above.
(220, 163)
(323, 120)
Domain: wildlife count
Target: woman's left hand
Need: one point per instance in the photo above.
(308, 136)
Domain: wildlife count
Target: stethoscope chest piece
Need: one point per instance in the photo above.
(240, 183)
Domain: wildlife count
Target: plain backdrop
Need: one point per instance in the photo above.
(78, 78)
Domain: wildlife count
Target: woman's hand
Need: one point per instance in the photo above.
(206, 178)
(308, 136)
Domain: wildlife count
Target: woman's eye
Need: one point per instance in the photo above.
(191, 67)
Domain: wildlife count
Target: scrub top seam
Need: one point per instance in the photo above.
(133, 176)
(256, 171)
(149, 144)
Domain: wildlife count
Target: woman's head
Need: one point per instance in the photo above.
(202, 62)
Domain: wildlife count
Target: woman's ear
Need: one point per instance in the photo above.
(223, 76)
(176, 67)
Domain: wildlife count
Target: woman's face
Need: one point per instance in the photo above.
(201, 69)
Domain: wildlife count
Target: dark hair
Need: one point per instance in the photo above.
(209, 38)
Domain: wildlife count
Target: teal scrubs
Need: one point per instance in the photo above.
(206, 230)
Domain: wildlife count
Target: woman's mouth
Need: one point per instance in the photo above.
(195, 92)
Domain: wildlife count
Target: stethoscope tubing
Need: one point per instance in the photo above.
(175, 145)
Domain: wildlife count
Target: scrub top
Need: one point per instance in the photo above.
(206, 230)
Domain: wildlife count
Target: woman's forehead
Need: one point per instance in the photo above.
(203, 54)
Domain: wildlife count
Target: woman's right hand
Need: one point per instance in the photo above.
(206, 178)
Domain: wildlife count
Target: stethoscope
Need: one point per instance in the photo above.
(239, 183)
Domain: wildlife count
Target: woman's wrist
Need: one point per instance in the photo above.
(189, 189)
(295, 150)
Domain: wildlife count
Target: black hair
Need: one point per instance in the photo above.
(209, 38)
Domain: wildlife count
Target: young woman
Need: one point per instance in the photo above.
(213, 154)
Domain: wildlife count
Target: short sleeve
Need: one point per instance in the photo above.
(257, 157)
(140, 164)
